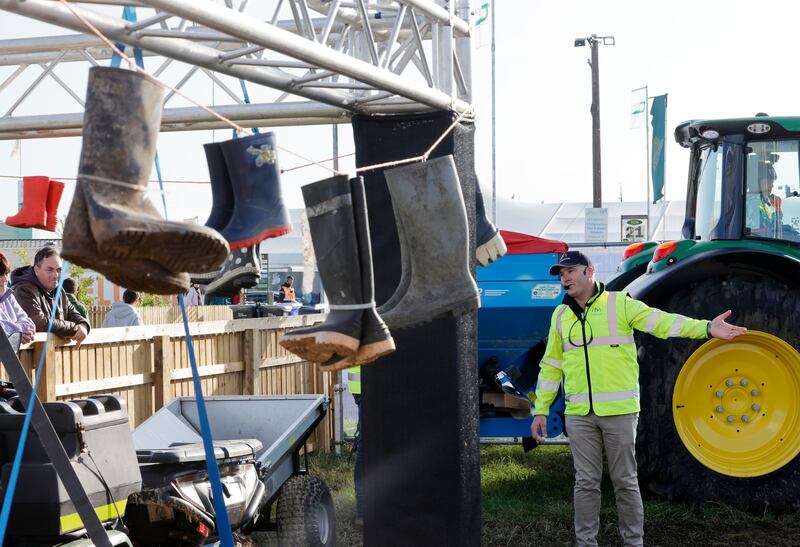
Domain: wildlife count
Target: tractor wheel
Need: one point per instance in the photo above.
(720, 420)
(305, 514)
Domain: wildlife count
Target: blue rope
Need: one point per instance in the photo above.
(223, 524)
(129, 14)
(12, 480)
(246, 96)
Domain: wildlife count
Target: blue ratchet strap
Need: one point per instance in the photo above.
(129, 14)
(223, 523)
(84, 507)
(246, 96)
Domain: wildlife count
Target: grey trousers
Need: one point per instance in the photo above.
(587, 435)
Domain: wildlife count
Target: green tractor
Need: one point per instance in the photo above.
(720, 421)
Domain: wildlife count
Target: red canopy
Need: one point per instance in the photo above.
(523, 244)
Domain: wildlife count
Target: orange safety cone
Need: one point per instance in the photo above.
(34, 198)
(51, 204)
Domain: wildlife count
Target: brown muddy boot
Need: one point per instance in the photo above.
(78, 246)
(376, 340)
(329, 207)
(120, 129)
(428, 201)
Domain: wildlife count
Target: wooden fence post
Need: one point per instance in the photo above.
(162, 371)
(252, 362)
(47, 383)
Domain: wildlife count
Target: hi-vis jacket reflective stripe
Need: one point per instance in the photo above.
(595, 352)
(354, 380)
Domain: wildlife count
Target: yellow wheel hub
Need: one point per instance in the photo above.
(736, 404)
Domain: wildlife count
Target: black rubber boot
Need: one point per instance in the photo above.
(329, 206)
(121, 124)
(242, 270)
(376, 340)
(258, 209)
(489, 243)
(221, 190)
(428, 200)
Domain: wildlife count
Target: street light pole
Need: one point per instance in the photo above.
(594, 41)
(596, 170)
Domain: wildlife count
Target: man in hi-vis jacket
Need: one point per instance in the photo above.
(591, 345)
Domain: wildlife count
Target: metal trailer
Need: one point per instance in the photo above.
(518, 296)
(305, 513)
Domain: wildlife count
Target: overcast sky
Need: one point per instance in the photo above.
(713, 58)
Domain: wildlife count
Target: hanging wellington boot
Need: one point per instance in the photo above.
(34, 199)
(54, 192)
(242, 270)
(221, 204)
(488, 241)
(376, 340)
(121, 125)
(329, 207)
(79, 245)
(428, 201)
(258, 209)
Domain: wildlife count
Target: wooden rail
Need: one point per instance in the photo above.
(149, 366)
(159, 315)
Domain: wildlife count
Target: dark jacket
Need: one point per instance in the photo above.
(38, 303)
(78, 305)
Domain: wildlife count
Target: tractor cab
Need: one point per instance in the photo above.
(744, 179)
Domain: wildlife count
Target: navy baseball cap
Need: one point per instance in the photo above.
(569, 259)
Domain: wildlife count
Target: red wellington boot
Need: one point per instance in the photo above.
(34, 197)
(53, 199)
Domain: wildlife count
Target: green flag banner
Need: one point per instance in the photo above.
(659, 113)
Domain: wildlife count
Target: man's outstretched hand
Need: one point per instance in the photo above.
(719, 328)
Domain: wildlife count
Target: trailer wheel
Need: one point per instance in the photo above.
(672, 400)
(305, 513)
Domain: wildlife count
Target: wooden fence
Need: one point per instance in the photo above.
(159, 315)
(149, 366)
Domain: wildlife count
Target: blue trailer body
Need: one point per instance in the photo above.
(518, 296)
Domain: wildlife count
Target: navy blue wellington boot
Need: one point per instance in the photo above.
(258, 209)
(221, 191)
(489, 242)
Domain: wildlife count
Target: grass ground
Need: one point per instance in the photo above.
(526, 499)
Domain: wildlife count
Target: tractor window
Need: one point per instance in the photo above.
(772, 191)
(709, 192)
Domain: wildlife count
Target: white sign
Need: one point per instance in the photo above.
(596, 227)
(545, 291)
(634, 228)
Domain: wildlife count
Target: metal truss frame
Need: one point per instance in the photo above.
(330, 58)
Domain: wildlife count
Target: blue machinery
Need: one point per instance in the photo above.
(518, 296)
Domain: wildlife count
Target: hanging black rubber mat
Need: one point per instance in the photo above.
(420, 403)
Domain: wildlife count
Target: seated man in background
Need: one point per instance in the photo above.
(123, 314)
(35, 289)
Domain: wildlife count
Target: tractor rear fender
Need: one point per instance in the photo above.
(656, 288)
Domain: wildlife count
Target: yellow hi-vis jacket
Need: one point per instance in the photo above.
(354, 380)
(595, 352)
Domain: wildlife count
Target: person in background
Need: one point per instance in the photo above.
(70, 287)
(238, 298)
(123, 314)
(35, 289)
(354, 385)
(286, 292)
(193, 296)
(13, 318)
